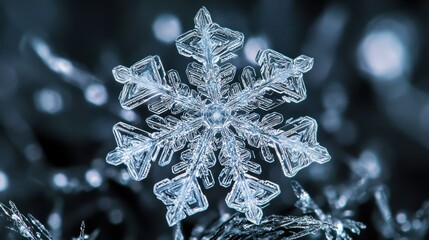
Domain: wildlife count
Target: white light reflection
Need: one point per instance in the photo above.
(385, 51)
(54, 220)
(166, 28)
(60, 180)
(96, 94)
(124, 177)
(252, 46)
(368, 165)
(48, 101)
(4, 181)
(382, 54)
(94, 178)
(56, 64)
(128, 115)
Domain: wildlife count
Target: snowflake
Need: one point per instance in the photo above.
(216, 120)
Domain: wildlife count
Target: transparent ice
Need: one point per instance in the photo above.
(31, 228)
(365, 177)
(339, 222)
(272, 227)
(216, 120)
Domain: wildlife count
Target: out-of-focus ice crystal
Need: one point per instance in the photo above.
(272, 227)
(216, 120)
(339, 222)
(403, 226)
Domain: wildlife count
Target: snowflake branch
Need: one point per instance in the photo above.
(295, 148)
(209, 43)
(183, 194)
(248, 193)
(137, 148)
(146, 80)
(280, 74)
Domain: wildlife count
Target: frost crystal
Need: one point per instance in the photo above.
(83, 236)
(340, 223)
(272, 227)
(216, 120)
(30, 227)
(403, 226)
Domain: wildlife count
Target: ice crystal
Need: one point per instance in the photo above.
(29, 227)
(216, 120)
(365, 178)
(83, 236)
(403, 226)
(340, 223)
(272, 227)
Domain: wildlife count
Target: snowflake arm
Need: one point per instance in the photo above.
(138, 148)
(248, 193)
(295, 148)
(209, 44)
(147, 79)
(280, 74)
(183, 194)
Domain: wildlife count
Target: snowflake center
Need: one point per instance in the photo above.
(216, 115)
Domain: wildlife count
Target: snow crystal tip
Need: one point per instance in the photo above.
(303, 63)
(202, 18)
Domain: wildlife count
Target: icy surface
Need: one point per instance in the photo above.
(216, 120)
(340, 223)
